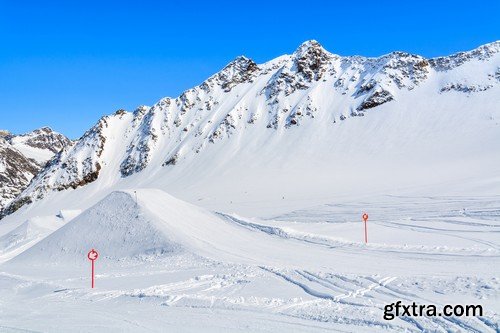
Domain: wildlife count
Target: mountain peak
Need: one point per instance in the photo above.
(239, 59)
(43, 138)
(311, 60)
(240, 64)
(44, 129)
(240, 70)
(308, 47)
(4, 133)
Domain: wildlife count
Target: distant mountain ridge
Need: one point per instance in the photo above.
(311, 87)
(23, 156)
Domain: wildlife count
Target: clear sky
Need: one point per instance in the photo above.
(66, 63)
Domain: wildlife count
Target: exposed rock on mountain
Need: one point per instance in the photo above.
(22, 156)
(43, 138)
(241, 70)
(377, 98)
(16, 170)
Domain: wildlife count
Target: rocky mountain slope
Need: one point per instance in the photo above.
(23, 156)
(299, 110)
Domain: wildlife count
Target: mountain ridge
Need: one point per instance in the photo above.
(283, 93)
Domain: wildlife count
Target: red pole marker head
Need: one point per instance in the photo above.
(365, 218)
(92, 255)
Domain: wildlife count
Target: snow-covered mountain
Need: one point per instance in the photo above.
(293, 120)
(23, 156)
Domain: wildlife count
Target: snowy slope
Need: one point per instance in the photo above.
(168, 261)
(160, 224)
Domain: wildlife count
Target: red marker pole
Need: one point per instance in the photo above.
(365, 218)
(92, 255)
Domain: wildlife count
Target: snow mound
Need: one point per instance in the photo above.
(115, 226)
(26, 235)
(157, 226)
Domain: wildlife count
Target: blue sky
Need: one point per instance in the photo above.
(66, 63)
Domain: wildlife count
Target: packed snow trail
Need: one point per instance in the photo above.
(161, 256)
(161, 224)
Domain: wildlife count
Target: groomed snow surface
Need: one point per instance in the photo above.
(167, 265)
